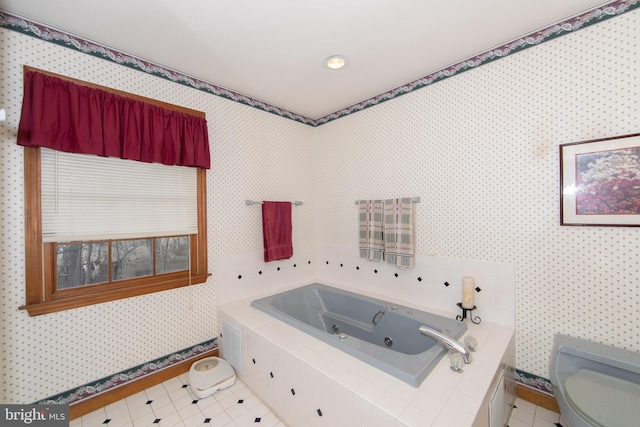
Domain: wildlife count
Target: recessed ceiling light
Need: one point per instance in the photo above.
(335, 62)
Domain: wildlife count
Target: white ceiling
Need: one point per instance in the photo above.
(274, 50)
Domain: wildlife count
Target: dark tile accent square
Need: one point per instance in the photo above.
(207, 420)
(149, 402)
(319, 412)
(156, 421)
(193, 402)
(241, 401)
(185, 385)
(257, 420)
(107, 421)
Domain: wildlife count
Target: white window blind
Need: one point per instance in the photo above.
(87, 197)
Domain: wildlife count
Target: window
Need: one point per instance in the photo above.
(102, 228)
(64, 275)
(80, 264)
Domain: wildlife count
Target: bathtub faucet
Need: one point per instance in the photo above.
(454, 346)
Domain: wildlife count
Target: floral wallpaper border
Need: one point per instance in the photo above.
(105, 384)
(540, 384)
(593, 16)
(583, 20)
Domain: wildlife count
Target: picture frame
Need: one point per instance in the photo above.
(600, 182)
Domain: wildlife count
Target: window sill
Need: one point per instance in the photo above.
(109, 295)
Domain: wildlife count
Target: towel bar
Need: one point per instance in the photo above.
(415, 200)
(253, 202)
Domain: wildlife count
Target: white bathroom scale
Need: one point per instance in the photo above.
(210, 375)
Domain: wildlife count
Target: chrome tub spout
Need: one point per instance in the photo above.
(454, 346)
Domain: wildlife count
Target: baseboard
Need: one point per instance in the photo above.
(537, 398)
(86, 406)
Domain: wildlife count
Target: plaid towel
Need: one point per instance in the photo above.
(371, 229)
(399, 242)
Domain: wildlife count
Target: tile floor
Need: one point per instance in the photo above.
(526, 414)
(170, 404)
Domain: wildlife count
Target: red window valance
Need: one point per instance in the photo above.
(65, 116)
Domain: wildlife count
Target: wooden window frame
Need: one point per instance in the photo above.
(40, 259)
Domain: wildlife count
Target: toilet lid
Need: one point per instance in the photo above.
(604, 400)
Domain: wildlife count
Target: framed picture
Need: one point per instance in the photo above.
(600, 182)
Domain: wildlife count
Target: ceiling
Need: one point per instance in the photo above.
(273, 51)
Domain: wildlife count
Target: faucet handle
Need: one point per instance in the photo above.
(457, 362)
(471, 343)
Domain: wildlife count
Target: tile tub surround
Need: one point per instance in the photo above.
(244, 276)
(307, 382)
(435, 283)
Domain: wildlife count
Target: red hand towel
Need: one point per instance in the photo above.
(276, 230)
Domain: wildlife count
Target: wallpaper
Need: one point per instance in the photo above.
(255, 155)
(479, 148)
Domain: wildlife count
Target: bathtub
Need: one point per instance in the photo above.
(380, 333)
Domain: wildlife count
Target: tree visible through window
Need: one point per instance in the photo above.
(93, 263)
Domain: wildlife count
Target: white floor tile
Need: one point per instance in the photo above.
(171, 420)
(540, 422)
(141, 411)
(514, 422)
(547, 415)
(95, 417)
(156, 392)
(522, 415)
(189, 411)
(172, 384)
(525, 406)
(221, 419)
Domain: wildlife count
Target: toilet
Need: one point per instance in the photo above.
(209, 375)
(596, 385)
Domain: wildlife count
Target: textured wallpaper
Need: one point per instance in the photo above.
(480, 149)
(254, 155)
